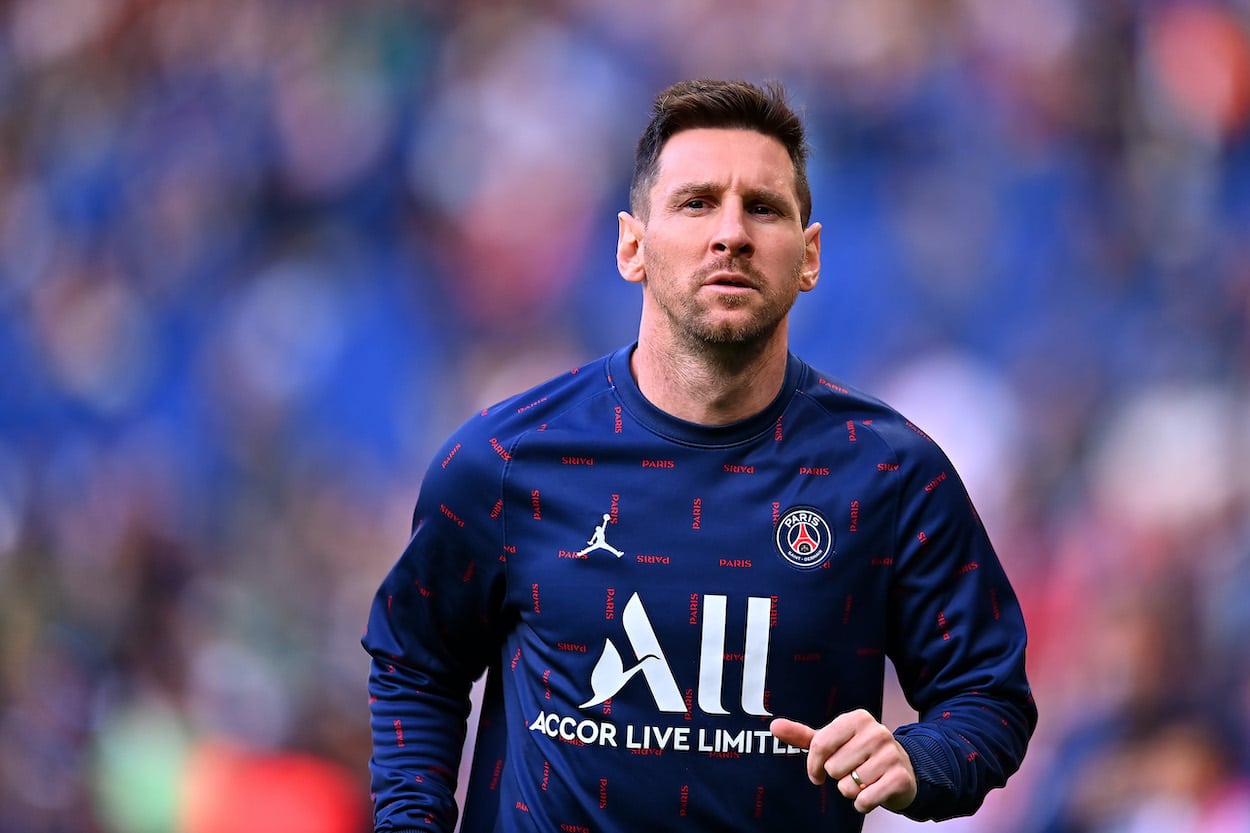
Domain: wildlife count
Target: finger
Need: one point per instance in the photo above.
(852, 786)
(837, 732)
(792, 732)
(800, 735)
(883, 792)
(836, 749)
(894, 788)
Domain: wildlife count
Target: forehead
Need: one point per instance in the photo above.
(726, 157)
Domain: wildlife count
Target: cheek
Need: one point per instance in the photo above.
(662, 257)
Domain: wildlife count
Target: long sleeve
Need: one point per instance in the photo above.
(433, 627)
(958, 643)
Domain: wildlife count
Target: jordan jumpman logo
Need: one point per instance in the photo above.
(598, 541)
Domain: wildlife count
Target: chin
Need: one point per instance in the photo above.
(735, 335)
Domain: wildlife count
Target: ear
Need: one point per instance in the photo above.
(811, 258)
(629, 248)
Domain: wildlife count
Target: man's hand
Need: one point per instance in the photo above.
(855, 746)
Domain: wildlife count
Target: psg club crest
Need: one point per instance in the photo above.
(804, 538)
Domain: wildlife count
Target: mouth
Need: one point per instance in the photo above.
(730, 280)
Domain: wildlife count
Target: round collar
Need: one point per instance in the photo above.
(692, 433)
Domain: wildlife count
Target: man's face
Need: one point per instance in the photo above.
(723, 253)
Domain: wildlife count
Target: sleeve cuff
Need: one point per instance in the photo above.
(931, 760)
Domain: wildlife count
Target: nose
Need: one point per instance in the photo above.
(732, 236)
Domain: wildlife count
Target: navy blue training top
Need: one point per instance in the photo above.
(646, 594)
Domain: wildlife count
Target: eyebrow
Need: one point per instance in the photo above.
(690, 189)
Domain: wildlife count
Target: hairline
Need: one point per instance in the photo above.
(647, 184)
(766, 112)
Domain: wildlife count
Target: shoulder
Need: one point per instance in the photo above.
(463, 479)
(866, 417)
(490, 435)
(844, 401)
(535, 408)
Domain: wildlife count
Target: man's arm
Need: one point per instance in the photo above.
(958, 644)
(957, 641)
(433, 627)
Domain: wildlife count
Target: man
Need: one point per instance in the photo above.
(683, 566)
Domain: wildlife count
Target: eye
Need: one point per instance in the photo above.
(764, 210)
(695, 204)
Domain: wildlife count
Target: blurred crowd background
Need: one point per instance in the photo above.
(258, 257)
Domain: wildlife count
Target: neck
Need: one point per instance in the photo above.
(712, 384)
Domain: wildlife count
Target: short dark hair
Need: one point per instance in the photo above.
(688, 105)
